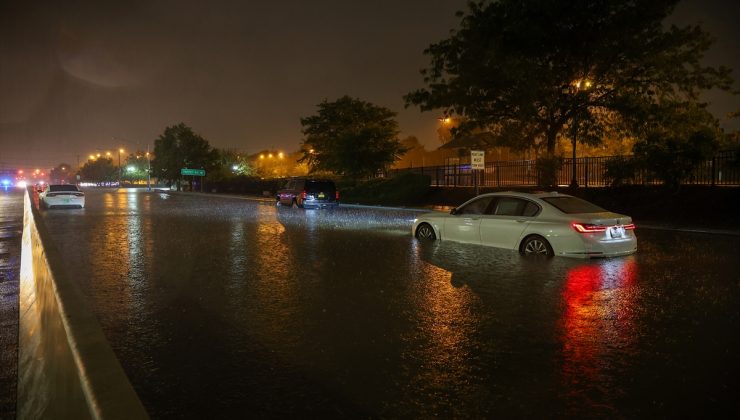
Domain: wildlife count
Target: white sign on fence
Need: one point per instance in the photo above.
(477, 159)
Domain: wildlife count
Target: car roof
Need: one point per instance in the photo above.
(63, 187)
(538, 194)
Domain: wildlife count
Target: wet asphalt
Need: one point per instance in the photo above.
(220, 306)
(11, 229)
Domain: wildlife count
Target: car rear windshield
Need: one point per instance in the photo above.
(573, 205)
(323, 186)
(57, 188)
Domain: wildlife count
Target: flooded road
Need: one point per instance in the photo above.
(225, 306)
(11, 229)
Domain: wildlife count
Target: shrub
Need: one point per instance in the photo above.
(246, 185)
(403, 189)
(621, 170)
(673, 159)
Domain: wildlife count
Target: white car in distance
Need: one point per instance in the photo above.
(545, 224)
(62, 196)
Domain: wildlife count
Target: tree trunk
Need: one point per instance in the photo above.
(552, 135)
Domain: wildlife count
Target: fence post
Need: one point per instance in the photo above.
(714, 179)
(585, 172)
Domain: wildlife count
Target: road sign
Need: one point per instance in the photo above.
(477, 159)
(193, 172)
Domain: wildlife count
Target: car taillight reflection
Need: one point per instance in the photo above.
(303, 195)
(337, 195)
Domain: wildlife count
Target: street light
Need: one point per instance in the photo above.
(119, 167)
(580, 85)
(138, 147)
(148, 170)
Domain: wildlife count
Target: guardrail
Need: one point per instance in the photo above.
(66, 367)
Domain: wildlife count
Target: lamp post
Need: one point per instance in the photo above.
(119, 167)
(580, 85)
(574, 178)
(148, 170)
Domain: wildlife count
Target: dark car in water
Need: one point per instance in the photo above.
(308, 193)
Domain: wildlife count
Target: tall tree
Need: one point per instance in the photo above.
(61, 173)
(531, 70)
(350, 137)
(231, 164)
(179, 147)
(99, 171)
(136, 166)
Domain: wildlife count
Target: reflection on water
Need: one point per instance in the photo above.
(112, 251)
(275, 282)
(119, 258)
(597, 323)
(445, 323)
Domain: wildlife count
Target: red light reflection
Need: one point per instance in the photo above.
(597, 321)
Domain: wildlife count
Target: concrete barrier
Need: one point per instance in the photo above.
(66, 367)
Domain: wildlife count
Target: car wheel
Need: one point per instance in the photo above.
(536, 245)
(425, 232)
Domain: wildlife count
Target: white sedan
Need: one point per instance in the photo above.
(545, 224)
(62, 195)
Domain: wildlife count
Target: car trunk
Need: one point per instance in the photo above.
(322, 191)
(603, 219)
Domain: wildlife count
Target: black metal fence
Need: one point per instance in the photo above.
(722, 169)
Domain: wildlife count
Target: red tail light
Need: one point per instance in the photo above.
(303, 195)
(337, 194)
(630, 226)
(588, 228)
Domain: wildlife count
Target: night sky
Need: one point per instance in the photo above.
(84, 77)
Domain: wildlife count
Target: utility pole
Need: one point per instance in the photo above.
(148, 170)
(574, 177)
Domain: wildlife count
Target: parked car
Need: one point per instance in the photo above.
(308, 193)
(544, 224)
(62, 196)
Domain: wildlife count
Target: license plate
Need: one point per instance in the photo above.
(617, 231)
(321, 195)
(67, 200)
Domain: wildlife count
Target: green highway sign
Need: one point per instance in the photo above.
(193, 172)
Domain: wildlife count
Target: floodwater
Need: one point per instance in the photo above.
(220, 307)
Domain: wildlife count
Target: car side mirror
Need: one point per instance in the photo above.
(453, 211)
